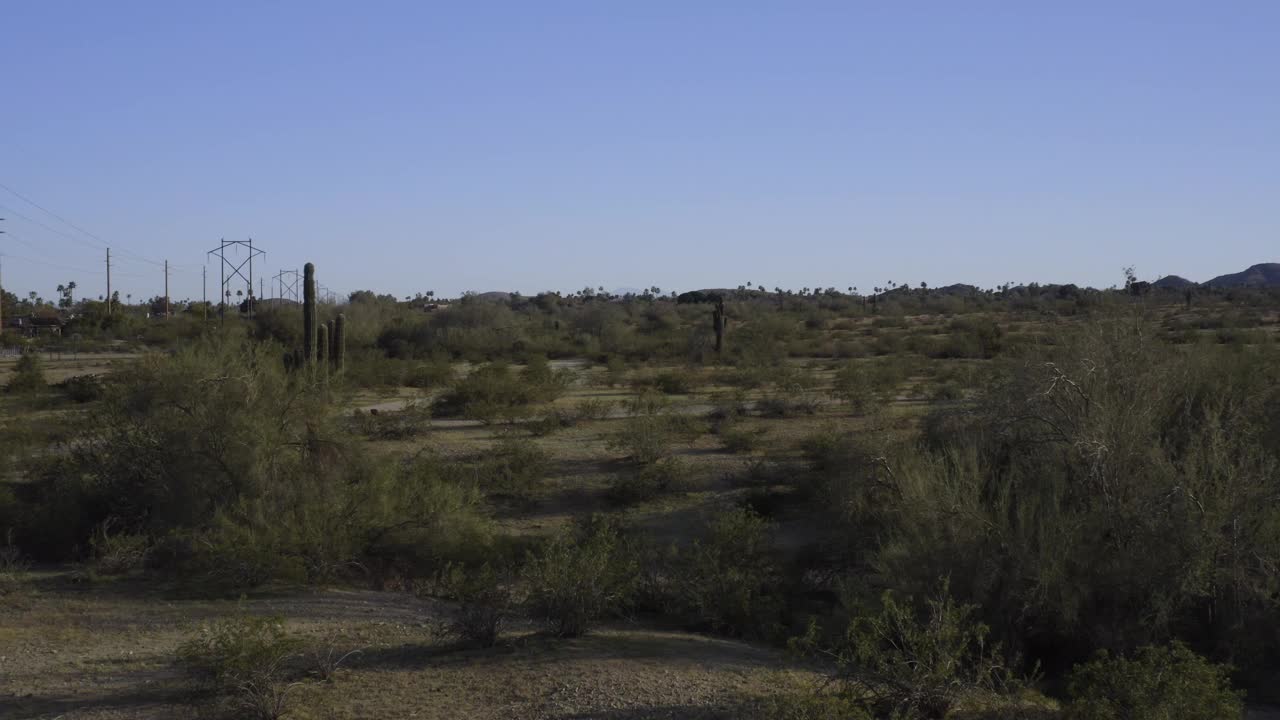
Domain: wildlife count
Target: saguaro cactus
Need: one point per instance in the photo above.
(339, 340)
(322, 349)
(718, 323)
(309, 313)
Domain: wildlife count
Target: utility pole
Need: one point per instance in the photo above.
(108, 282)
(166, 288)
(262, 288)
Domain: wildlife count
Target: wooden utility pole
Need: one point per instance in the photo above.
(108, 281)
(166, 288)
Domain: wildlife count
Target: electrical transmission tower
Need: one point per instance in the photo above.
(233, 270)
(287, 282)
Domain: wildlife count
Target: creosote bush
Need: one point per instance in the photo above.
(487, 599)
(1157, 683)
(650, 480)
(580, 576)
(728, 581)
(920, 660)
(495, 392)
(28, 374)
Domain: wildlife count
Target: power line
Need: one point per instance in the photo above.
(54, 265)
(29, 201)
(33, 221)
(70, 224)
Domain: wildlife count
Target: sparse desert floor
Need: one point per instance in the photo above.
(68, 650)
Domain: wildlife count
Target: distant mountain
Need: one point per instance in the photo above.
(1263, 275)
(1173, 282)
(956, 289)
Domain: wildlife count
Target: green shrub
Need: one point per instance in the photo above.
(867, 386)
(514, 469)
(591, 409)
(681, 381)
(28, 375)
(650, 480)
(117, 553)
(486, 599)
(727, 582)
(920, 660)
(1158, 683)
(580, 576)
(493, 392)
(740, 439)
(247, 657)
(435, 373)
(644, 439)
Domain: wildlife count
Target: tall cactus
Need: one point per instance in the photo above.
(309, 313)
(340, 342)
(718, 323)
(322, 349)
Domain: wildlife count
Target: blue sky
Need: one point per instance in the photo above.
(551, 145)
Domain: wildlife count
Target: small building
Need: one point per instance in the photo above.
(33, 325)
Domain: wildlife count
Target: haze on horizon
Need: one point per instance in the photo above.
(406, 147)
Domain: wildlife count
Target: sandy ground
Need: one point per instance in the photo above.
(71, 651)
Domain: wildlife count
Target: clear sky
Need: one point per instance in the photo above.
(417, 146)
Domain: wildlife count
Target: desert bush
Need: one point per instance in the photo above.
(867, 386)
(644, 439)
(552, 421)
(117, 553)
(645, 402)
(429, 374)
(247, 657)
(494, 391)
(650, 480)
(28, 375)
(920, 659)
(737, 438)
(487, 601)
(972, 337)
(1157, 683)
(1103, 493)
(368, 368)
(679, 381)
(408, 422)
(727, 581)
(514, 469)
(580, 576)
(591, 409)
